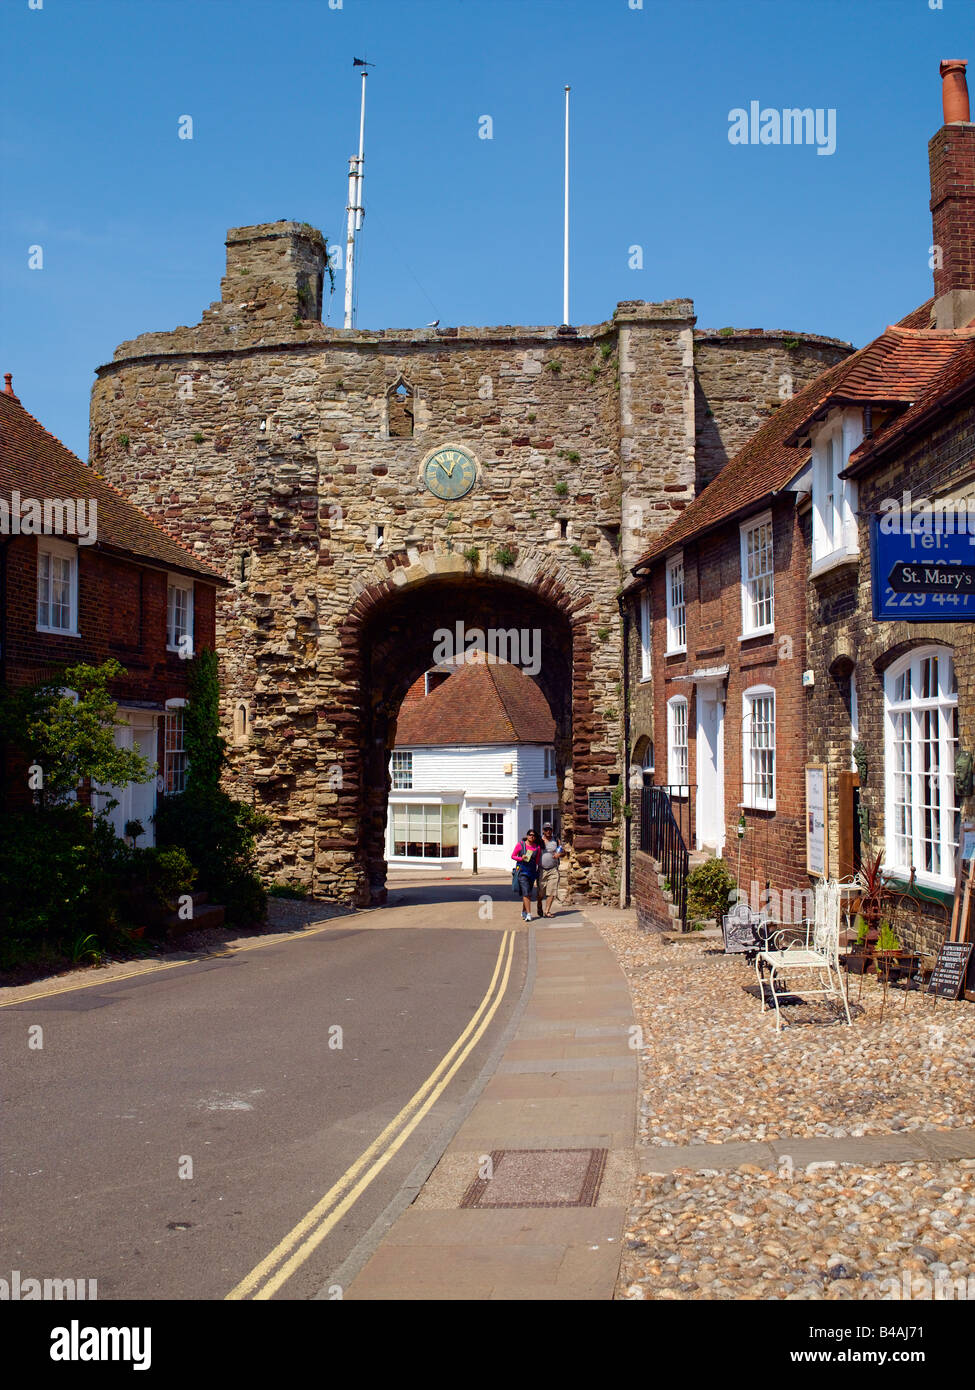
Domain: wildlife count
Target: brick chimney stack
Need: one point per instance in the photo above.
(951, 156)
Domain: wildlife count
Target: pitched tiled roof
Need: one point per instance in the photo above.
(482, 703)
(894, 368)
(955, 378)
(38, 466)
(898, 367)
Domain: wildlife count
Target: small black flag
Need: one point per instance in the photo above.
(361, 63)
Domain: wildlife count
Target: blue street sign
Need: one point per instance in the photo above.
(925, 575)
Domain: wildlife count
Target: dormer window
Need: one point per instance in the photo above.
(834, 538)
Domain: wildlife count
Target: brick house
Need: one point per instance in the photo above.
(84, 576)
(782, 535)
(894, 694)
(719, 608)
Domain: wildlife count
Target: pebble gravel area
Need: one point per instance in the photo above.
(714, 1071)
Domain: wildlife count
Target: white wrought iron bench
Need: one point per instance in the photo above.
(815, 946)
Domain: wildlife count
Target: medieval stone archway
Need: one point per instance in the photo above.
(417, 601)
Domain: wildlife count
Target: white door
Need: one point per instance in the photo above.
(143, 794)
(710, 768)
(492, 839)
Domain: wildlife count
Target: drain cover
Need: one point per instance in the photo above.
(539, 1178)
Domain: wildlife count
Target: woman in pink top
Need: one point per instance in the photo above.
(527, 854)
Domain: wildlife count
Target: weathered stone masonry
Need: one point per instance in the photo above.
(289, 454)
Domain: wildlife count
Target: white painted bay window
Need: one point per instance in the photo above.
(757, 577)
(425, 832)
(676, 608)
(922, 816)
(758, 748)
(57, 587)
(834, 533)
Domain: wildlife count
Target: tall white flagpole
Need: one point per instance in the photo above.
(565, 258)
(354, 209)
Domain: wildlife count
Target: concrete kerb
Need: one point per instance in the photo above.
(370, 1242)
(437, 1212)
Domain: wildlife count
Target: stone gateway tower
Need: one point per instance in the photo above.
(368, 491)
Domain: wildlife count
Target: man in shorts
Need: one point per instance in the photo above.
(548, 879)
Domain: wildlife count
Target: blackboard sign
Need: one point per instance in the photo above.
(740, 934)
(948, 977)
(600, 808)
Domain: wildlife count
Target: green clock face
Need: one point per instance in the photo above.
(450, 473)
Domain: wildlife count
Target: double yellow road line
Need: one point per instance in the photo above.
(300, 1242)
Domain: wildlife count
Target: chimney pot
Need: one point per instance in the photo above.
(8, 388)
(954, 90)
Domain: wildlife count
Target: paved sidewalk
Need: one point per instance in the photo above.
(541, 1224)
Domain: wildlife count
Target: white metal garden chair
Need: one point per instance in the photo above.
(815, 947)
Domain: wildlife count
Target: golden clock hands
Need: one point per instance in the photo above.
(447, 470)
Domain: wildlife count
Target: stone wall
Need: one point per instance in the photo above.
(273, 446)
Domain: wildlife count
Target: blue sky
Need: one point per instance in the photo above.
(132, 219)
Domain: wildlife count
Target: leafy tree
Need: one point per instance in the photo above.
(67, 739)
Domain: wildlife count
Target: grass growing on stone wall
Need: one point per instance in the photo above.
(505, 556)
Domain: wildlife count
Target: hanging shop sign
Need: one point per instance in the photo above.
(924, 574)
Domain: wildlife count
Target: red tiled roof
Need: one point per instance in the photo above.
(957, 375)
(38, 466)
(482, 703)
(894, 368)
(898, 367)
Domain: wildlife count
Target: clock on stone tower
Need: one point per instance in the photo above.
(449, 472)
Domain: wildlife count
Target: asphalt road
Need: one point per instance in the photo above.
(223, 1068)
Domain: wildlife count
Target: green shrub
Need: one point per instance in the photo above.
(216, 832)
(291, 889)
(709, 888)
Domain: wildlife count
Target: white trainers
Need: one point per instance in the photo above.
(526, 917)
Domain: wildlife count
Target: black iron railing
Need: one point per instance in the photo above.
(661, 837)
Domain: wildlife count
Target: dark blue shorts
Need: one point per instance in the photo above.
(526, 884)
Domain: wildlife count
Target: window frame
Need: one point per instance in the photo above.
(676, 628)
(748, 627)
(62, 550)
(173, 709)
(751, 800)
(549, 764)
(673, 749)
(946, 708)
(835, 534)
(405, 769)
(176, 583)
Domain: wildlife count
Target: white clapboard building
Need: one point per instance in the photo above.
(473, 766)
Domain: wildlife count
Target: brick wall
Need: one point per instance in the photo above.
(121, 615)
(843, 637)
(773, 848)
